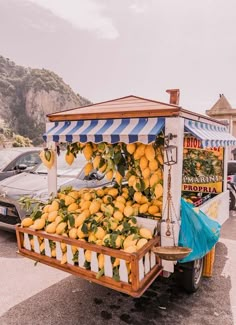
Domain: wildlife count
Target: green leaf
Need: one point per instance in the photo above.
(52, 244)
(142, 185)
(36, 215)
(121, 169)
(113, 240)
(134, 230)
(139, 187)
(75, 257)
(126, 226)
(87, 265)
(100, 273)
(101, 147)
(107, 242)
(84, 228)
(117, 157)
(62, 204)
(111, 151)
(71, 219)
(101, 163)
(147, 192)
(131, 191)
(116, 275)
(109, 198)
(94, 227)
(47, 154)
(133, 219)
(35, 263)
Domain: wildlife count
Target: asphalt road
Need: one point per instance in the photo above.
(41, 295)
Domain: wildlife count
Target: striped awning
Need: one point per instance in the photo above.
(209, 134)
(127, 130)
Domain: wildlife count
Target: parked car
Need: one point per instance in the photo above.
(231, 184)
(15, 160)
(34, 184)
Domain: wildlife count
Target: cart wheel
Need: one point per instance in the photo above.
(231, 201)
(192, 275)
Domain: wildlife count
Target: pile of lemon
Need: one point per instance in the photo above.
(106, 216)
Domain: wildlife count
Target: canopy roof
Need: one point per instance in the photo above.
(210, 135)
(131, 119)
(124, 130)
(126, 107)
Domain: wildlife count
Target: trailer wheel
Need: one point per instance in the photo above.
(192, 275)
(231, 201)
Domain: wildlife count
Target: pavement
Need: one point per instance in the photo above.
(38, 295)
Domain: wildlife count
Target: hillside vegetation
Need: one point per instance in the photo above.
(28, 95)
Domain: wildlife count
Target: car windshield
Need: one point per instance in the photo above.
(63, 168)
(6, 156)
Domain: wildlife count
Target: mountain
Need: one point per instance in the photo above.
(27, 95)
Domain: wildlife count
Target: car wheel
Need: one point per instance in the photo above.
(192, 275)
(231, 201)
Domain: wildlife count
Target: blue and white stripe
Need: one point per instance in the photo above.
(211, 135)
(127, 130)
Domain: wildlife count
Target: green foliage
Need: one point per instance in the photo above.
(16, 83)
(20, 141)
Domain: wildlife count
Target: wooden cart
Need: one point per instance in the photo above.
(129, 119)
(133, 280)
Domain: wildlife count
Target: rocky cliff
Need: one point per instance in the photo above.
(27, 95)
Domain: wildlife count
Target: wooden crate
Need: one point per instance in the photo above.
(145, 265)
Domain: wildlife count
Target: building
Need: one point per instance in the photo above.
(222, 110)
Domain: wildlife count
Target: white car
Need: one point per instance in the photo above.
(15, 160)
(34, 184)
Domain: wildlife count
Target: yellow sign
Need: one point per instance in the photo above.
(202, 168)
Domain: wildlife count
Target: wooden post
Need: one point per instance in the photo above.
(175, 126)
(52, 172)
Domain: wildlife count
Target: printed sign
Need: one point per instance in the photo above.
(202, 168)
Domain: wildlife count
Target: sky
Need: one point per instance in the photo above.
(106, 49)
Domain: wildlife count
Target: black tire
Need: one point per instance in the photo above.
(192, 275)
(231, 201)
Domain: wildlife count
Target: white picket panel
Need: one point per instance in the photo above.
(58, 251)
(36, 244)
(108, 269)
(81, 258)
(47, 248)
(147, 263)
(141, 269)
(153, 260)
(94, 262)
(27, 242)
(123, 272)
(69, 255)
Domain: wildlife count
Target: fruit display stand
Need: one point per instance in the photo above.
(144, 265)
(126, 121)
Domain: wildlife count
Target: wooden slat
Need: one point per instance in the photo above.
(149, 278)
(75, 270)
(135, 273)
(119, 105)
(78, 243)
(173, 112)
(91, 276)
(19, 237)
(135, 289)
(151, 243)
